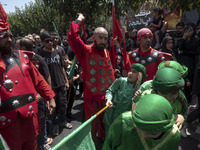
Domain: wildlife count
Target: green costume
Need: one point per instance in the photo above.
(163, 80)
(152, 114)
(179, 105)
(121, 93)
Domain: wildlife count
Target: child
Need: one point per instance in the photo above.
(71, 93)
(167, 45)
(42, 136)
(157, 23)
(168, 83)
(150, 125)
(120, 93)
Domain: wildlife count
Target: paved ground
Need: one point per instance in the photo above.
(189, 143)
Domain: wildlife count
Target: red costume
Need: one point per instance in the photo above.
(98, 75)
(150, 59)
(20, 82)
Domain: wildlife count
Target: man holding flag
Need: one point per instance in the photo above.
(97, 74)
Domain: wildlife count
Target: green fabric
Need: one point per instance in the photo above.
(140, 68)
(72, 69)
(166, 78)
(174, 64)
(3, 144)
(120, 93)
(57, 32)
(153, 114)
(79, 139)
(179, 105)
(122, 135)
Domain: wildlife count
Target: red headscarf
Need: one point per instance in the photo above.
(142, 32)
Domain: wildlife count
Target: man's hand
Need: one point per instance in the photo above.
(39, 98)
(179, 120)
(51, 106)
(80, 17)
(137, 93)
(109, 103)
(67, 85)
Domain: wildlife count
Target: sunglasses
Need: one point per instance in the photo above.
(47, 41)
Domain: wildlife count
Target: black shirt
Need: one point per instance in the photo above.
(55, 65)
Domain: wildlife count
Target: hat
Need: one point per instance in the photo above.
(140, 68)
(183, 70)
(153, 113)
(142, 32)
(166, 78)
(4, 26)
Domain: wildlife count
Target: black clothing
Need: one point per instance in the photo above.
(55, 64)
(163, 48)
(43, 68)
(129, 45)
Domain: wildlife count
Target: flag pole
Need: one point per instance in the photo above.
(65, 139)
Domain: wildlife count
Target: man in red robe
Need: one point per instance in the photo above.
(98, 73)
(20, 82)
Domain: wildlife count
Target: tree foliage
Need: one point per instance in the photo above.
(33, 18)
(40, 14)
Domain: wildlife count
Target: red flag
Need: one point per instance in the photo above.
(116, 32)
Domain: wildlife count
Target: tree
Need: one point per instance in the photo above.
(33, 18)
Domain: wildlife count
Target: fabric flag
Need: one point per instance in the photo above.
(80, 138)
(3, 144)
(116, 32)
(57, 32)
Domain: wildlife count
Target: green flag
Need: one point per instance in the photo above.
(56, 32)
(3, 144)
(79, 139)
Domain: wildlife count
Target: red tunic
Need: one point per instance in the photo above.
(150, 59)
(19, 85)
(98, 72)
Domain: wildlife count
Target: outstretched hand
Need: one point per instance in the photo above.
(80, 17)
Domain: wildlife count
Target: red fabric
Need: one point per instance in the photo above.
(82, 51)
(116, 32)
(2, 65)
(151, 68)
(22, 134)
(91, 107)
(142, 32)
(3, 17)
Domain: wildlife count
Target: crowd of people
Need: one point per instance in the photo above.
(148, 101)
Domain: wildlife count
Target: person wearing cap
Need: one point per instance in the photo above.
(146, 55)
(168, 83)
(20, 82)
(120, 93)
(150, 125)
(98, 73)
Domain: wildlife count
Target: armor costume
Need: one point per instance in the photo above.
(19, 83)
(98, 75)
(150, 59)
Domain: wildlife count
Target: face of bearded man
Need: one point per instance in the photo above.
(100, 40)
(6, 43)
